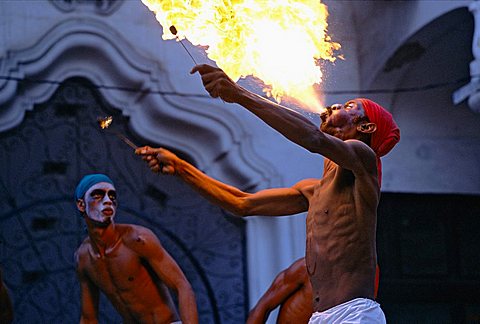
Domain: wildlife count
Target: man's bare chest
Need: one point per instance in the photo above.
(120, 268)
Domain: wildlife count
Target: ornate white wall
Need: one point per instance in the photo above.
(119, 43)
(120, 46)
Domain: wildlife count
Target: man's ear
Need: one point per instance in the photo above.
(367, 128)
(81, 205)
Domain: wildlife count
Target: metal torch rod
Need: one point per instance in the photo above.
(174, 31)
(126, 140)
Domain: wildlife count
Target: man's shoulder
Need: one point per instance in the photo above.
(131, 229)
(305, 183)
(84, 246)
(298, 270)
(82, 250)
(135, 233)
(361, 148)
(364, 156)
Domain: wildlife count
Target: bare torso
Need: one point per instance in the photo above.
(127, 280)
(341, 224)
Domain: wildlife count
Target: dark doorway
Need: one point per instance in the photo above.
(429, 258)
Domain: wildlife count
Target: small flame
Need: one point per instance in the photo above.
(105, 122)
(280, 42)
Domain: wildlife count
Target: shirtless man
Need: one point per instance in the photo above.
(342, 205)
(292, 291)
(127, 263)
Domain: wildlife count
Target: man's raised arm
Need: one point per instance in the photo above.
(288, 122)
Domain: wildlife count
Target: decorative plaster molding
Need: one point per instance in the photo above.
(88, 48)
(101, 7)
(471, 91)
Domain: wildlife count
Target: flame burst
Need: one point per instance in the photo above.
(104, 122)
(280, 42)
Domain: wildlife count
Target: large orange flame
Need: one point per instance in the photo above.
(280, 42)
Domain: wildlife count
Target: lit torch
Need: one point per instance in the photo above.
(174, 31)
(105, 122)
(278, 42)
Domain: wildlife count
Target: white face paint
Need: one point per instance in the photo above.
(101, 202)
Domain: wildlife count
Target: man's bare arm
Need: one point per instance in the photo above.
(168, 271)
(284, 286)
(89, 296)
(271, 202)
(289, 123)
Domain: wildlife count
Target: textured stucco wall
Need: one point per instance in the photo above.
(369, 31)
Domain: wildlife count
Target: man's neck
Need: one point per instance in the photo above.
(103, 235)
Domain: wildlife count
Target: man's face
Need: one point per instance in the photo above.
(341, 120)
(101, 202)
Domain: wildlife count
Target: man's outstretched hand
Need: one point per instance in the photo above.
(217, 82)
(159, 160)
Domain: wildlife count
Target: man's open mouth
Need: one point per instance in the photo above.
(107, 212)
(324, 115)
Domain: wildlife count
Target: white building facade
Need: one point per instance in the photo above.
(419, 59)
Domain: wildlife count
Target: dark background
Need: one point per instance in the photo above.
(429, 258)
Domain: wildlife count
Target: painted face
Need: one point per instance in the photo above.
(341, 120)
(101, 202)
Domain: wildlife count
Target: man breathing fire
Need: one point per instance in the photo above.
(342, 205)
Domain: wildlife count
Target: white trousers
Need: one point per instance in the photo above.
(358, 310)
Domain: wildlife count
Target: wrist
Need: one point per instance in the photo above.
(246, 98)
(179, 166)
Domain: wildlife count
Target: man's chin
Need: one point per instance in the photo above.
(324, 128)
(101, 223)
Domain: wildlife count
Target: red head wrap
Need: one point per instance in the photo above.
(387, 133)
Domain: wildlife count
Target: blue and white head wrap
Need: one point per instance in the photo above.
(88, 181)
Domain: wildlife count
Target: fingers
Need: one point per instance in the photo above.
(203, 68)
(168, 169)
(143, 150)
(147, 150)
(213, 89)
(162, 168)
(215, 81)
(153, 162)
(159, 160)
(212, 76)
(155, 165)
(209, 74)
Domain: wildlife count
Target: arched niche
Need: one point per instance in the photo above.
(140, 87)
(439, 148)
